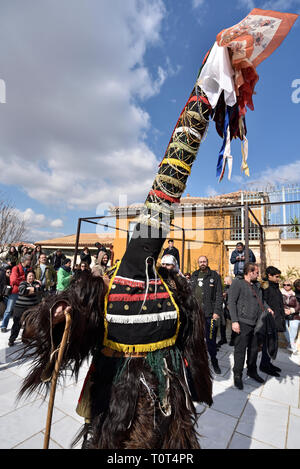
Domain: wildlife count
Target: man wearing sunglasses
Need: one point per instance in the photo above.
(273, 297)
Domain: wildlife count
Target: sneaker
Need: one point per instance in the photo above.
(238, 382)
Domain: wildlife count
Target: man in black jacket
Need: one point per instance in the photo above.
(245, 304)
(56, 259)
(237, 258)
(172, 250)
(273, 297)
(207, 287)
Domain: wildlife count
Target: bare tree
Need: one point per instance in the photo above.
(12, 226)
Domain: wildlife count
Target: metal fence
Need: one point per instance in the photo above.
(282, 213)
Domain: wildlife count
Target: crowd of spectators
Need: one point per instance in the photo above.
(254, 311)
(27, 275)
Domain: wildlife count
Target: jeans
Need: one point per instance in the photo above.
(245, 341)
(291, 332)
(211, 335)
(9, 308)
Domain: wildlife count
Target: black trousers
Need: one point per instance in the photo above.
(246, 341)
(211, 336)
(17, 323)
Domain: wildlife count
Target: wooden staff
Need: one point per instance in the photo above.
(55, 375)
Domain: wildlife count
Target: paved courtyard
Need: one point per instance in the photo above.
(262, 416)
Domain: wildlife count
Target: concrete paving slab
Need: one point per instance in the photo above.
(216, 429)
(228, 400)
(262, 416)
(265, 420)
(64, 431)
(25, 422)
(244, 442)
(293, 435)
(37, 442)
(282, 389)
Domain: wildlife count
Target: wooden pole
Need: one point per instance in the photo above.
(55, 376)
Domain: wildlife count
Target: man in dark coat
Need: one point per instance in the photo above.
(57, 258)
(273, 297)
(238, 259)
(172, 251)
(245, 304)
(207, 287)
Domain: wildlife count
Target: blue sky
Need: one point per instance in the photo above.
(94, 90)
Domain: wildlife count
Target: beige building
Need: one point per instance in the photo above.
(67, 244)
(209, 226)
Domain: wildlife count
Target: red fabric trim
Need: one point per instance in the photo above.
(200, 98)
(134, 283)
(164, 196)
(129, 283)
(137, 297)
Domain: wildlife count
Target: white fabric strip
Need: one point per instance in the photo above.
(141, 318)
(227, 153)
(217, 75)
(189, 130)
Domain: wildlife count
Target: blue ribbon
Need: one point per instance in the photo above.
(221, 153)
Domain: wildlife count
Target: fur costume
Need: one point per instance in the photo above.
(134, 402)
(145, 330)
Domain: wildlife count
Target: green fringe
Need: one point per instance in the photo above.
(156, 362)
(120, 370)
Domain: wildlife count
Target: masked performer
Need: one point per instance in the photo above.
(142, 325)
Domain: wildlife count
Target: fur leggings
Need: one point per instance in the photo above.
(128, 414)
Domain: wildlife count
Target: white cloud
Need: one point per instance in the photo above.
(280, 5)
(38, 225)
(198, 3)
(211, 192)
(246, 4)
(283, 174)
(276, 5)
(57, 223)
(73, 128)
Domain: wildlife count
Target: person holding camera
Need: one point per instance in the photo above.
(46, 274)
(238, 259)
(18, 275)
(5, 288)
(29, 295)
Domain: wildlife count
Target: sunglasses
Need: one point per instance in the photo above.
(287, 285)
